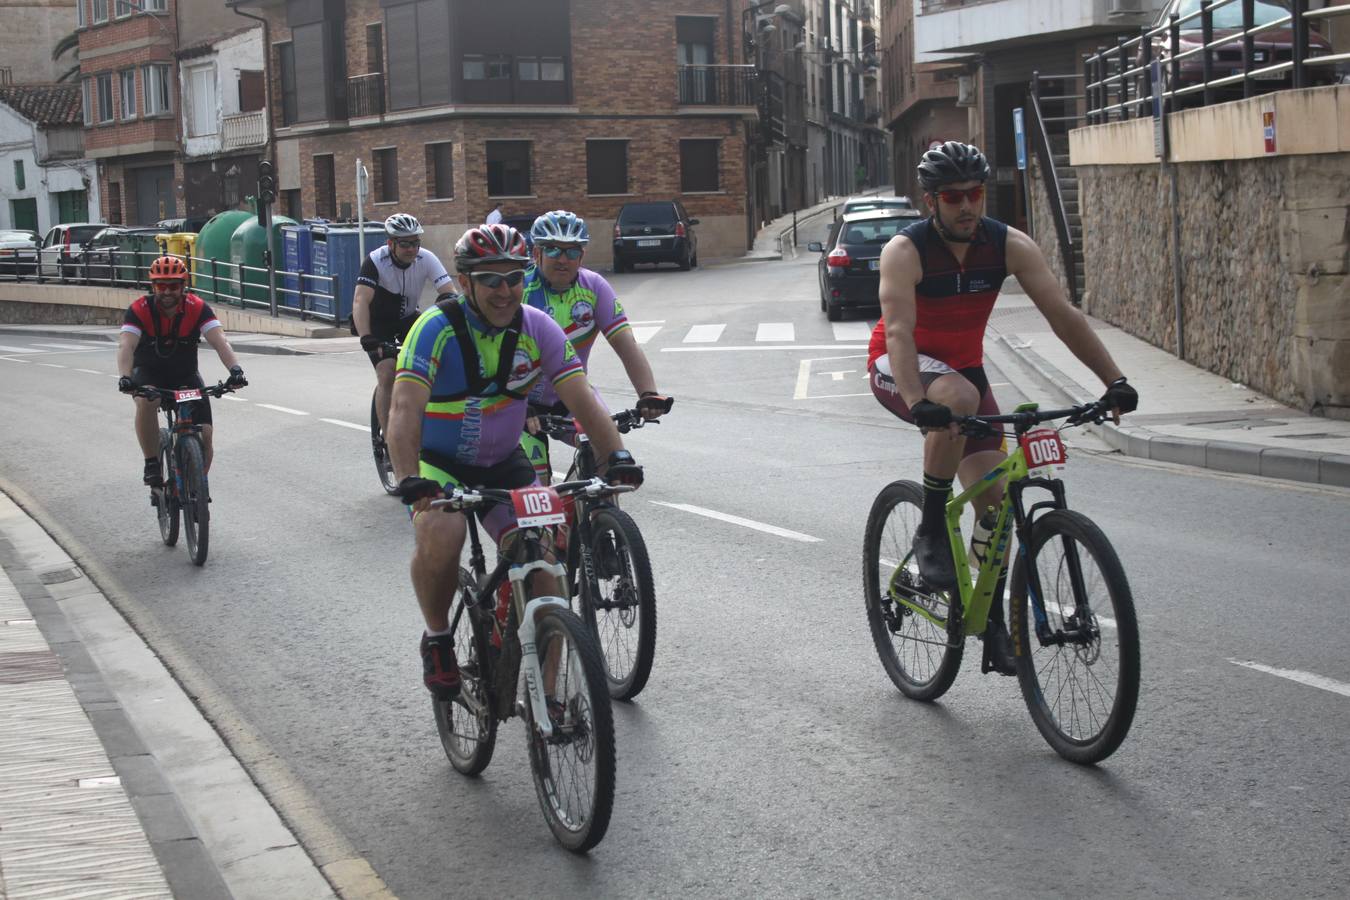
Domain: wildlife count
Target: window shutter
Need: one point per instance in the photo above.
(400, 25)
(433, 51)
(311, 97)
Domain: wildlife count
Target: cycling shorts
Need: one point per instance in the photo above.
(392, 330)
(499, 520)
(145, 376)
(930, 370)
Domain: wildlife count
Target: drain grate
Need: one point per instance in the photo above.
(60, 576)
(25, 667)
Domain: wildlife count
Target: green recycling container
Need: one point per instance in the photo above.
(135, 253)
(213, 242)
(246, 249)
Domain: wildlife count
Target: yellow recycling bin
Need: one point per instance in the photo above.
(180, 244)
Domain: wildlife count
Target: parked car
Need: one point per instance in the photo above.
(864, 203)
(19, 252)
(191, 223)
(654, 233)
(849, 260)
(61, 248)
(119, 253)
(522, 222)
(1269, 47)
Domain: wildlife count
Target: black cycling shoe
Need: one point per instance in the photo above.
(998, 650)
(934, 556)
(440, 671)
(152, 476)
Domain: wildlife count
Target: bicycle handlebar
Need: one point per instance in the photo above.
(475, 498)
(983, 426)
(625, 420)
(150, 392)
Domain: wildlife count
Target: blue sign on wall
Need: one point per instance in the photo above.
(1020, 133)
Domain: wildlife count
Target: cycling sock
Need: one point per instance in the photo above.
(936, 492)
(431, 633)
(152, 460)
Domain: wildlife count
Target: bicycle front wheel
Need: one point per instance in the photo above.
(166, 501)
(195, 502)
(467, 727)
(384, 467)
(918, 635)
(1079, 670)
(574, 769)
(620, 604)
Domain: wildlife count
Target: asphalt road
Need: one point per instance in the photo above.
(769, 754)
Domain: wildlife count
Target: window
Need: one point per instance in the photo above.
(252, 94)
(420, 72)
(155, 81)
(103, 86)
(115, 203)
(541, 68)
(152, 5)
(440, 171)
(286, 63)
(698, 166)
(123, 8)
(88, 107)
(79, 14)
(100, 10)
(325, 187)
(375, 48)
(202, 98)
(19, 182)
(127, 91)
(508, 168)
(606, 167)
(486, 68)
(386, 175)
(290, 202)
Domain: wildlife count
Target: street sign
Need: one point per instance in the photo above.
(1020, 133)
(1268, 129)
(1159, 121)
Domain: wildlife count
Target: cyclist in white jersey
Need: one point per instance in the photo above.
(385, 302)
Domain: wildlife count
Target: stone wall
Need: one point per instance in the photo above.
(20, 312)
(1263, 259)
(1043, 221)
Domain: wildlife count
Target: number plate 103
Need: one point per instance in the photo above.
(1044, 451)
(535, 506)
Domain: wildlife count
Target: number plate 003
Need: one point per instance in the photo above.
(1044, 451)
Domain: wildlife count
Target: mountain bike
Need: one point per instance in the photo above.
(183, 462)
(383, 464)
(561, 696)
(608, 566)
(1074, 633)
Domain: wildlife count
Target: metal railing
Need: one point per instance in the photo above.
(365, 95)
(246, 129)
(222, 282)
(716, 85)
(1123, 73)
(1040, 142)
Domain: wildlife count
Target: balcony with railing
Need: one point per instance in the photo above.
(246, 129)
(716, 85)
(365, 95)
(957, 26)
(65, 143)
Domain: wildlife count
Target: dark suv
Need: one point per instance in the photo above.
(654, 233)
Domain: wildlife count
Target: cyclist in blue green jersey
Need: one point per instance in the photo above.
(583, 303)
(458, 411)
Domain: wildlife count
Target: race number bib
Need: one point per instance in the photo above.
(536, 506)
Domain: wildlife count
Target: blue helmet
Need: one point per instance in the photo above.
(560, 227)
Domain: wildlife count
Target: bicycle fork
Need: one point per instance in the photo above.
(529, 658)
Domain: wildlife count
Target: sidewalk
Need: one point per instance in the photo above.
(112, 784)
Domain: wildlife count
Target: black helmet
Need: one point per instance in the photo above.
(950, 163)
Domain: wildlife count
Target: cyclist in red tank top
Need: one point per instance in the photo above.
(939, 281)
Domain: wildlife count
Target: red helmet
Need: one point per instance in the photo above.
(489, 244)
(168, 268)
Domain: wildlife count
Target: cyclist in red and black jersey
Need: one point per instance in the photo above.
(939, 281)
(158, 348)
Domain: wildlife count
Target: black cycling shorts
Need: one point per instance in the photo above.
(144, 376)
(391, 330)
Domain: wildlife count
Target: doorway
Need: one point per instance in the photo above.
(154, 195)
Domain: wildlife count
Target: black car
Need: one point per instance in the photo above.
(522, 223)
(849, 259)
(118, 253)
(654, 233)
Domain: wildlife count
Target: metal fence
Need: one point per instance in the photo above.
(223, 283)
(1119, 81)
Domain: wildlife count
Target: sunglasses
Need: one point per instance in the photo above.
(572, 253)
(494, 280)
(953, 196)
(167, 287)
(408, 244)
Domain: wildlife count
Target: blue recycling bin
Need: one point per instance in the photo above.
(296, 244)
(336, 250)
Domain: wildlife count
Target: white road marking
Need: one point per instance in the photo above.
(293, 412)
(648, 322)
(234, 399)
(767, 347)
(780, 332)
(644, 333)
(352, 425)
(53, 365)
(737, 520)
(89, 371)
(12, 359)
(8, 349)
(839, 375)
(1308, 678)
(73, 347)
(851, 331)
(802, 391)
(704, 334)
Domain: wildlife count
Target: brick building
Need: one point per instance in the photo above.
(454, 105)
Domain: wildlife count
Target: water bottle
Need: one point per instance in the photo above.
(982, 535)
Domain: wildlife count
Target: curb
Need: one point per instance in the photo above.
(240, 347)
(1332, 469)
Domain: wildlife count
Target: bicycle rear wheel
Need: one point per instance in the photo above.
(620, 604)
(383, 465)
(1081, 682)
(573, 770)
(166, 500)
(195, 502)
(920, 652)
(466, 724)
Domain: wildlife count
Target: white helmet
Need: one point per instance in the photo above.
(402, 225)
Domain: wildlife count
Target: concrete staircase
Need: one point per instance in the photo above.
(1068, 191)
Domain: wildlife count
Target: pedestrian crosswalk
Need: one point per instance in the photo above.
(756, 334)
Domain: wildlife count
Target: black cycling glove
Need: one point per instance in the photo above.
(622, 469)
(375, 348)
(125, 384)
(236, 379)
(414, 488)
(928, 414)
(652, 404)
(1121, 396)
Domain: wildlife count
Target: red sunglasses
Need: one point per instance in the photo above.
(953, 196)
